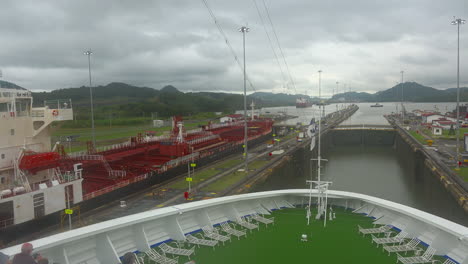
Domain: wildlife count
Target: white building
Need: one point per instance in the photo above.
(231, 118)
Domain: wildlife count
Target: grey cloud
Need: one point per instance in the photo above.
(153, 43)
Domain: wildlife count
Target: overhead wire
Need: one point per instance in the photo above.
(271, 43)
(279, 46)
(226, 40)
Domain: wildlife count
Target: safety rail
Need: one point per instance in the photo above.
(117, 173)
(114, 187)
(37, 113)
(203, 139)
(157, 138)
(14, 93)
(113, 146)
(58, 104)
(89, 157)
(182, 159)
(6, 223)
(237, 123)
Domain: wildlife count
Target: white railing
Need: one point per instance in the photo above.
(448, 237)
(203, 139)
(183, 159)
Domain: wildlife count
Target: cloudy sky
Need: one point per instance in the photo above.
(362, 43)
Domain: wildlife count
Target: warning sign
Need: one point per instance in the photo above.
(68, 211)
(189, 179)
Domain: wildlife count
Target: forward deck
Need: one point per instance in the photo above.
(338, 242)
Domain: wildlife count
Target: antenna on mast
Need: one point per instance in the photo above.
(321, 186)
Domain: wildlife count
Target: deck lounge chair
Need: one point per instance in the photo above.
(246, 224)
(449, 261)
(209, 232)
(411, 245)
(263, 220)
(139, 260)
(231, 231)
(377, 230)
(398, 239)
(166, 249)
(200, 241)
(424, 258)
(158, 258)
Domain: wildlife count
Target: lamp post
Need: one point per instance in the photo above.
(457, 22)
(244, 30)
(93, 132)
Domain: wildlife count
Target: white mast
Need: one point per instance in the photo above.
(322, 187)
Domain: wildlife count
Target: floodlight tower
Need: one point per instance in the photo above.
(457, 22)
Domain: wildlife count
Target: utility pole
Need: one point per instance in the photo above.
(457, 22)
(244, 30)
(93, 132)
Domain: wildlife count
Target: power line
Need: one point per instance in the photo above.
(220, 29)
(279, 46)
(269, 41)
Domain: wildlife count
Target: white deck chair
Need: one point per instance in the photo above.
(424, 258)
(139, 260)
(411, 245)
(166, 249)
(246, 224)
(262, 219)
(398, 239)
(201, 242)
(449, 261)
(231, 231)
(158, 258)
(213, 234)
(377, 230)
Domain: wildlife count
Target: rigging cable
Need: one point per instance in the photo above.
(271, 44)
(279, 46)
(220, 29)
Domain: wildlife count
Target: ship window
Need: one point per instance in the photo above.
(3, 107)
(12, 132)
(39, 209)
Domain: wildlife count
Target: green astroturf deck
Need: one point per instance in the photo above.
(338, 242)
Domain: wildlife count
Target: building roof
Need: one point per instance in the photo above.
(235, 115)
(429, 114)
(445, 122)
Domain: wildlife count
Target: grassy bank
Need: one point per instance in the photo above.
(418, 136)
(463, 173)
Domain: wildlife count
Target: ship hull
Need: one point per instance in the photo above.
(305, 105)
(15, 232)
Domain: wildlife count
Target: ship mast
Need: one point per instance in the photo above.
(322, 186)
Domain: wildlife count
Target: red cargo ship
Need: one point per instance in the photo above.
(113, 167)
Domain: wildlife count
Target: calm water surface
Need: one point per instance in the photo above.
(380, 171)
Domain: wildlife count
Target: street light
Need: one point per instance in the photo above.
(244, 30)
(457, 22)
(93, 132)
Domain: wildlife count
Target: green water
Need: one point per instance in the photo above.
(378, 170)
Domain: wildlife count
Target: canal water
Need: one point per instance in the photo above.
(389, 170)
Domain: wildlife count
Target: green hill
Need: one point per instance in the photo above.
(124, 100)
(409, 91)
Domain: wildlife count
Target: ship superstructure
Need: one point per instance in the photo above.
(303, 102)
(26, 131)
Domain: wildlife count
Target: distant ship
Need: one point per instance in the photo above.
(303, 103)
(376, 105)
